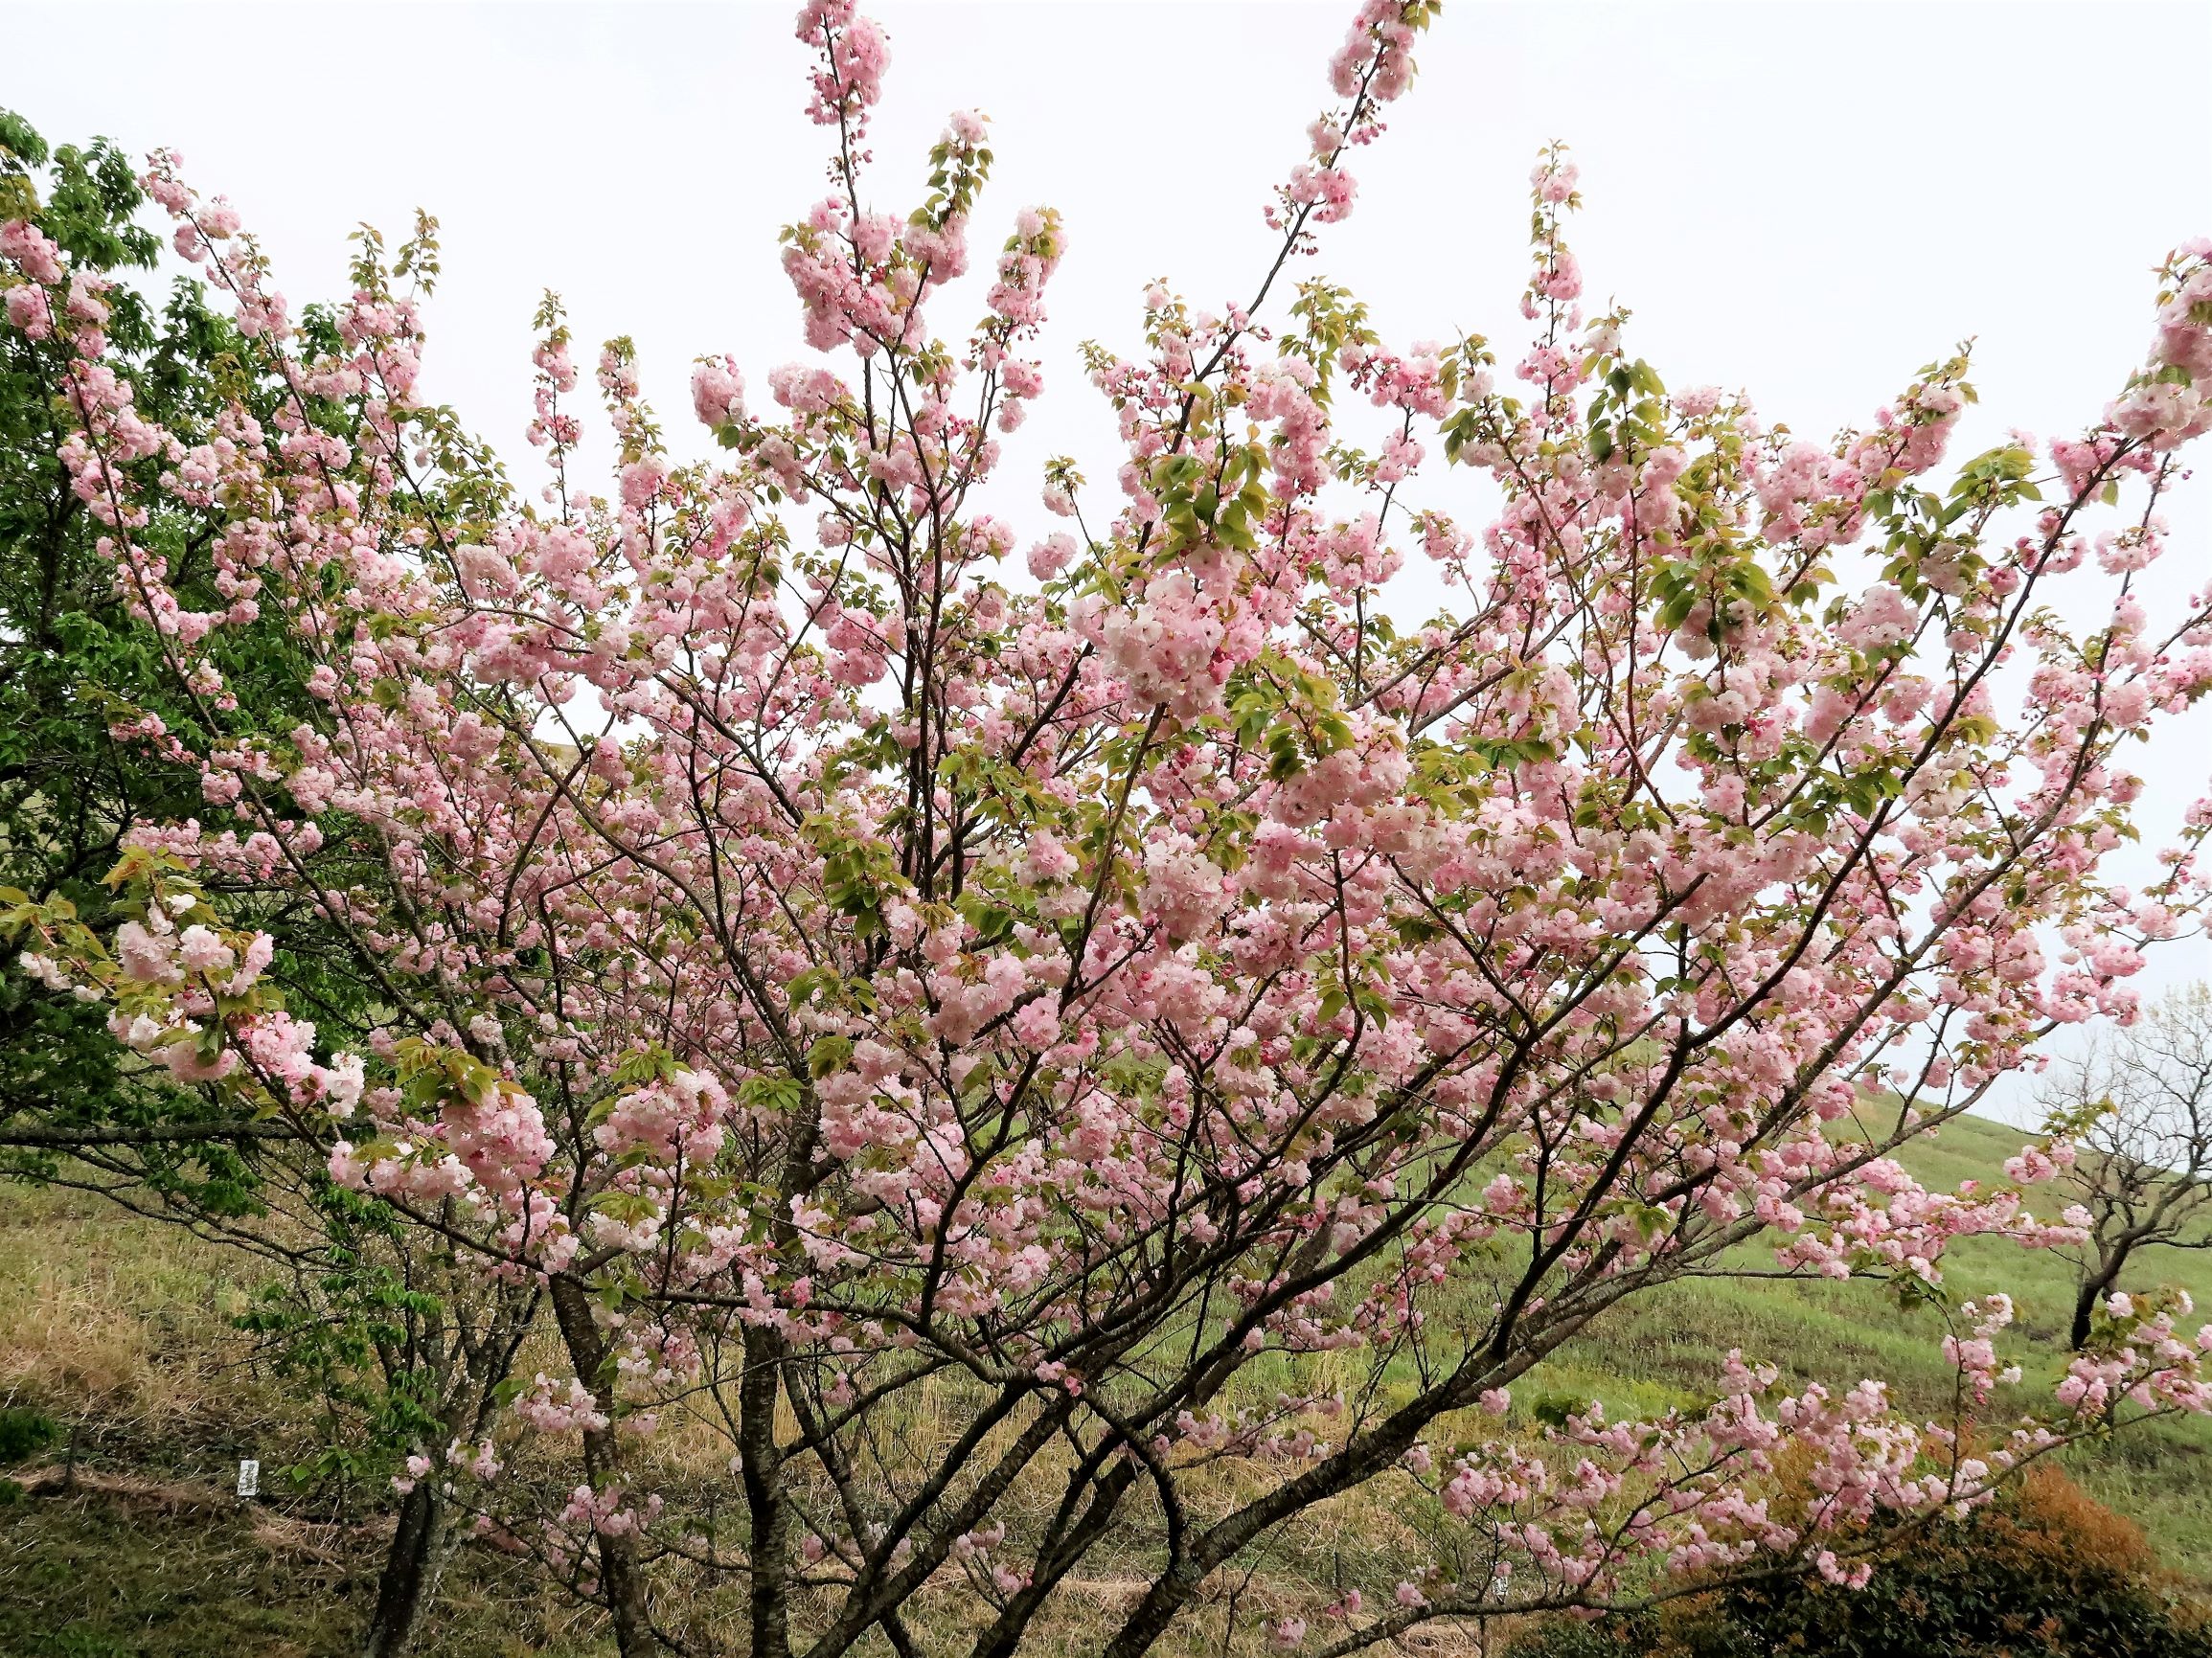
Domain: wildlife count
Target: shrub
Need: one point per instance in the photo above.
(24, 1433)
(2045, 1573)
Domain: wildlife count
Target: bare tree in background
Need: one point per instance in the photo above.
(2143, 1106)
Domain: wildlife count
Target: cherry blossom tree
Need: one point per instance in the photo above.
(1127, 1059)
(402, 1347)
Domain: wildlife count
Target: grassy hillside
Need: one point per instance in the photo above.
(1658, 1351)
(123, 1540)
(120, 1330)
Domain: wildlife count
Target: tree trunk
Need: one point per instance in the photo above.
(620, 1581)
(764, 1500)
(426, 1538)
(624, 1588)
(2094, 1288)
(2084, 1305)
(412, 1568)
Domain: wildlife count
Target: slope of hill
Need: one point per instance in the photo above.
(1659, 1350)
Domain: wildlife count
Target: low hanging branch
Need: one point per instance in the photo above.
(63, 1139)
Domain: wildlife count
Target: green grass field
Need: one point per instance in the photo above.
(121, 1330)
(1659, 1350)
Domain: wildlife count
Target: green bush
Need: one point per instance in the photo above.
(2045, 1573)
(24, 1433)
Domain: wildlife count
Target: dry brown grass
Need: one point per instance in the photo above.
(105, 1316)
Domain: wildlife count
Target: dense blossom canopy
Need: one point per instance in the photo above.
(844, 945)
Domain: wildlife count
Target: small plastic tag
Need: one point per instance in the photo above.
(249, 1477)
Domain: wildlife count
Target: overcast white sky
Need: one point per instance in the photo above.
(1808, 201)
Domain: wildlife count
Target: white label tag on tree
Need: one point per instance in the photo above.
(249, 1477)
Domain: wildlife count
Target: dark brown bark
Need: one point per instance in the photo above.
(1359, 1461)
(425, 1537)
(769, 1509)
(1073, 1536)
(123, 1134)
(2093, 1290)
(412, 1568)
(620, 1583)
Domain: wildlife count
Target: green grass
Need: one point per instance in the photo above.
(131, 1570)
(1659, 1350)
(120, 1330)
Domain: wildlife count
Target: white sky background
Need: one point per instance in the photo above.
(1806, 201)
